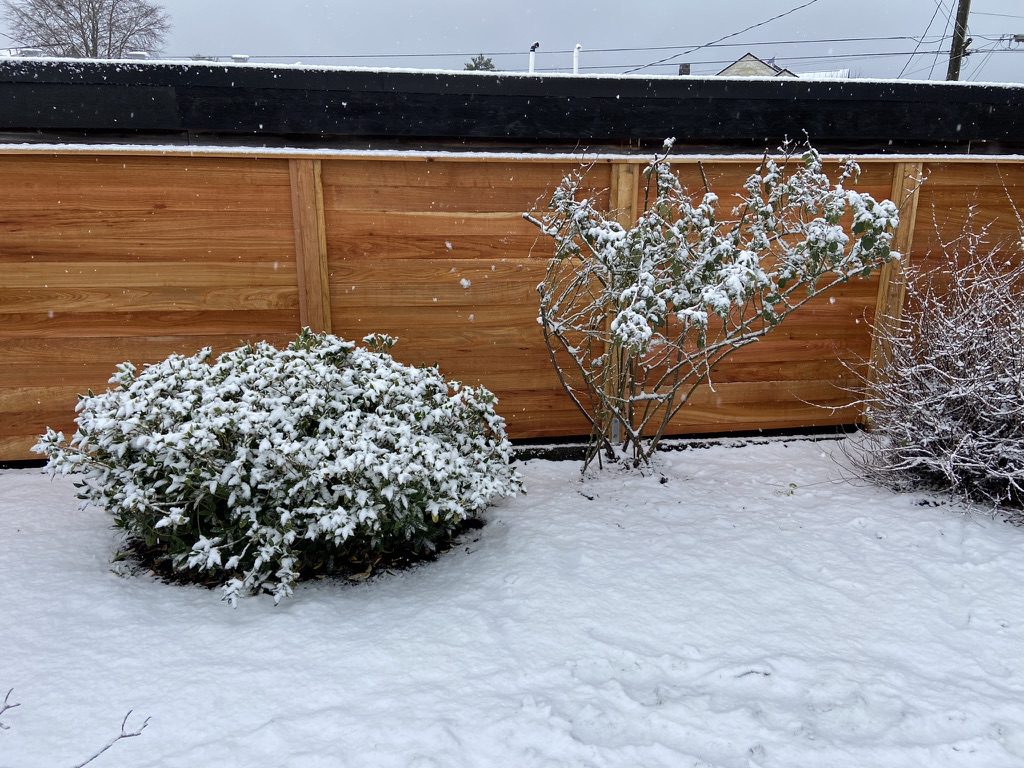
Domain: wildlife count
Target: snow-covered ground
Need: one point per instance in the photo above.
(749, 612)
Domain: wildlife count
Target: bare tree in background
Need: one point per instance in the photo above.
(94, 29)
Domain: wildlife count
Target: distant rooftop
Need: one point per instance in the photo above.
(749, 65)
(828, 74)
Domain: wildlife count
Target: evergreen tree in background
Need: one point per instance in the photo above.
(480, 63)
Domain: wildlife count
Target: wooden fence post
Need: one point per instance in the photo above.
(310, 244)
(906, 185)
(622, 201)
(623, 192)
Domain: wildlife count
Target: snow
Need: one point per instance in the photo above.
(828, 74)
(749, 613)
(584, 156)
(134, 65)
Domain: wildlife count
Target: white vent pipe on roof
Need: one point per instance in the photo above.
(576, 58)
(533, 56)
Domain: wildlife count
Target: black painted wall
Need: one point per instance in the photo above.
(202, 103)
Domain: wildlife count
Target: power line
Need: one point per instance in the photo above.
(731, 45)
(726, 37)
(930, 22)
(992, 50)
(827, 57)
(982, 63)
(1003, 15)
(914, 38)
(949, 18)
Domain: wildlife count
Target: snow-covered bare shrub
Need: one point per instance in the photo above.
(264, 463)
(946, 403)
(635, 319)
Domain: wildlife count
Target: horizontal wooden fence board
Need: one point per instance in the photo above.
(771, 414)
(726, 180)
(783, 370)
(742, 393)
(428, 282)
(445, 172)
(375, 185)
(981, 173)
(18, 448)
(164, 178)
(25, 398)
(138, 349)
(387, 246)
(106, 324)
(776, 348)
(178, 237)
(199, 273)
(57, 416)
(431, 200)
(155, 298)
(442, 234)
(508, 321)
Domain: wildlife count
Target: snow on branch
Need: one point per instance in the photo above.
(635, 319)
(946, 406)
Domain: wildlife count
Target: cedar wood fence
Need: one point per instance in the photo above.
(110, 255)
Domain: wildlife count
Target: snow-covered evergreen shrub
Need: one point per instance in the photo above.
(264, 463)
(946, 405)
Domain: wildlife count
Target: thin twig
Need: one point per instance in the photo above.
(125, 734)
(7, 705)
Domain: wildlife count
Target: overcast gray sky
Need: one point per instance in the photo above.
(303, 30)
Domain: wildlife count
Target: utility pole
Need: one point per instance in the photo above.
(958, 48)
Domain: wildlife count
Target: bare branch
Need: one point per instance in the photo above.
(7, 705)
(125, 734)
